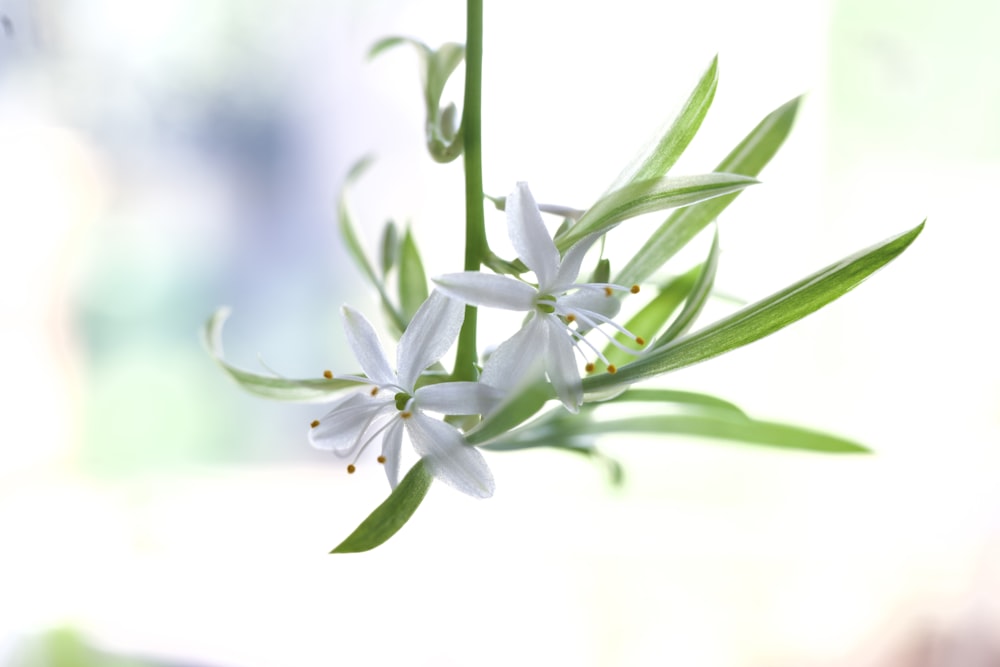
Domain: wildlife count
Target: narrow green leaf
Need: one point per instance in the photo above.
(412, 279)
(759, 319)
(696, 298)
(354, 248)
(517, 410)
(317, 390)
(390, 247)
(748, 159)
(651, 318)
(689, 399)
(735, 429)
(391, 515)
(639, 197)
(658, 161)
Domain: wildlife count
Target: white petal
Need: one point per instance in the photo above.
(518, 360)
(529, 236)
(342, 429)
(428, 336)
(458, 398)
(391, 442)
(569, 269)
(367, 347)
(487, 289)
(560, 364)
(448, 457)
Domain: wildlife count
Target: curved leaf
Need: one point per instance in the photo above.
(759, 319)
(317, 390)
(748, 159)
(391, 515)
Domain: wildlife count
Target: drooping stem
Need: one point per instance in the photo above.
(475, 224)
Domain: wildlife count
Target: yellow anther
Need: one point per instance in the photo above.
(570, 318)
(381, 459)
(314, 423)
(405, 415)
(328, 375)
(589, 368)
(374, 391)
(608, 291)
(351, 469)
(640, 340)
(612, 369)
(635, 289)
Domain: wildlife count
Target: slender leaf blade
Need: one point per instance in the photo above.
(318, 390)
(748, 159)
(762, 318)
(658, 161)
(391, 515)
(648, 196)
(412, 278)
(696, 298)
(726, 427)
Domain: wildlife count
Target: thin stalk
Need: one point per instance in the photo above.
(475, 223)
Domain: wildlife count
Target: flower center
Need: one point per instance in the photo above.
(402, 398)
(545, 303)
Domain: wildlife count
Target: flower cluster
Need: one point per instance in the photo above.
(559, 310)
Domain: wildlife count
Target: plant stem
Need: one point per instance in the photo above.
(475, 223)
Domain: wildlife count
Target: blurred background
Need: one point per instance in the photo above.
(160, 159)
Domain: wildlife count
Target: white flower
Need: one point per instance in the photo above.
(393, 404)
(560, 310)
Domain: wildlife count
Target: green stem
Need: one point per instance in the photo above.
(475, 223)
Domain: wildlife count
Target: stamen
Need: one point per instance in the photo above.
(570, 318)
(589, 367)
(634, 289)
(350, 469)
(328, 375)
(374, 391)
(640, 340)
(381, 459)
(314, 423)
(612, 369)
(608, 291)
(405, 415)
(591, 321)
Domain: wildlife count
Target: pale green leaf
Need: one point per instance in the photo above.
(412, 279)
(724, 426)
(748, 159)
(759, 319)
(318, 390)
(656, 162)
(354, 248)
(695, 302)
(391, 515)
(640, 197)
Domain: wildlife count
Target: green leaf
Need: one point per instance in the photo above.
(412, 279)
(277, 388)
(696, 298)
(748, 159)
(733, 428)
(651, 318)
(658, 161)
(354, 248)
(687, 399)
(391, 515)
(759, 319)
(444, 141)
(640, 197)
(515, 411)
(390, 247)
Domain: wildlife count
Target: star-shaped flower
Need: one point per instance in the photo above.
(393, 403)
(560, 310)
